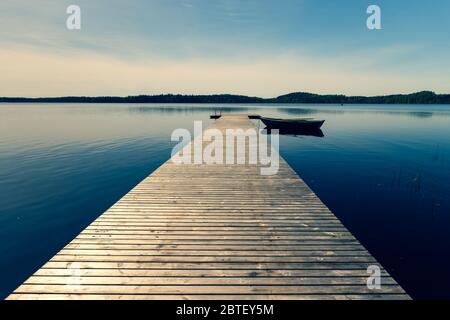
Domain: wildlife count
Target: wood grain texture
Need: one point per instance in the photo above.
(198, 231)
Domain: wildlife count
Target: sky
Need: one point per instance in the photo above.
(260, 48)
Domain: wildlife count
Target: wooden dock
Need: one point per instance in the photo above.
(197, 231)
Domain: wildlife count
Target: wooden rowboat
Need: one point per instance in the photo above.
(292, 124)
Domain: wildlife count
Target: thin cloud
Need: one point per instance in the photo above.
(188, 46)
(41, 73)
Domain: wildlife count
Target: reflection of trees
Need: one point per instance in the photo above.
(187, 109)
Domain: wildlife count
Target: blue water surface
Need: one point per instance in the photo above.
(384, 170)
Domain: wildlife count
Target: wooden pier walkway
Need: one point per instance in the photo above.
(213, 232)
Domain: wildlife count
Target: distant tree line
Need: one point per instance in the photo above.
(163, 98)
(424, 97)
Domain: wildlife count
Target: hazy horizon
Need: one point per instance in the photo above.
(252, 48)
(213, 94)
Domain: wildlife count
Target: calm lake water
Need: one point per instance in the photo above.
(383, 170)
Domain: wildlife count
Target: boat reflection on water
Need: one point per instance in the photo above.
(299, 132)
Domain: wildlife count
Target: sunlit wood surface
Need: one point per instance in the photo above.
(213, 232)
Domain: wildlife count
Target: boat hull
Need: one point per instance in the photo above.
(292, 124)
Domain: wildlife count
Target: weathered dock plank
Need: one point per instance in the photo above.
(197, 231)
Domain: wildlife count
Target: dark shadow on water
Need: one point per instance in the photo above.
(336, 110)
(299, 132)
(421, 114)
